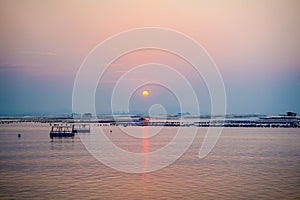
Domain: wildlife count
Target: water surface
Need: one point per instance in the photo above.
(246, 163)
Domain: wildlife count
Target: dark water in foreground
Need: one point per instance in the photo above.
(246, 163)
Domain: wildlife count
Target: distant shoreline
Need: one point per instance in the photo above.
(169, 120)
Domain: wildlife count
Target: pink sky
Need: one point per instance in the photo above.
(248, 40)
(234, 32)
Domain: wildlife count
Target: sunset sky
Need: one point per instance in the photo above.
(255, 44)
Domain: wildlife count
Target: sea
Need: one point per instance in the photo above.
(245, 163)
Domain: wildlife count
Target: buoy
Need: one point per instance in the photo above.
(19, 135)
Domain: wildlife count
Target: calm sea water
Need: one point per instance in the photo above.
(246, 163)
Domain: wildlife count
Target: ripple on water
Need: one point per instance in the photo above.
(246, 163)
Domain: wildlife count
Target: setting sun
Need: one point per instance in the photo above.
(145, 93)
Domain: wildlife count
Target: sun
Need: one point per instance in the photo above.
(145, 93)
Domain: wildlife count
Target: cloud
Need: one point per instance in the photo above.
(41, 53)
(4, 66)
(138, 79)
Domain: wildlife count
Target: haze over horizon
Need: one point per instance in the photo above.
(255, 45)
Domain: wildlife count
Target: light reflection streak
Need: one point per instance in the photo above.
(145, 150)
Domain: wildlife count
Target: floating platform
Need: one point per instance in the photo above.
(81, 128)
(62, 130)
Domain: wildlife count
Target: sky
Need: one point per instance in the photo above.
(255, 45)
